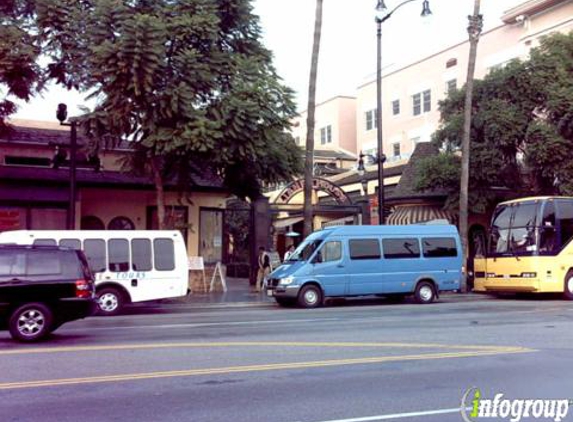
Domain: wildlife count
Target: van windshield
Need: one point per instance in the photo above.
(305, 250)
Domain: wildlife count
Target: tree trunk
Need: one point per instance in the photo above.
(159, 191)
(474, 30)
(309, 164)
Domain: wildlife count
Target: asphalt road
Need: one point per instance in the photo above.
(353, 361)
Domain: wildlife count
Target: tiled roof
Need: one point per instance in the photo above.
(405, 188)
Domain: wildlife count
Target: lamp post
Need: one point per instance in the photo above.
(62, 115)
(382, 16)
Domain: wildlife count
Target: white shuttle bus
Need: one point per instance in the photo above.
(129, 265)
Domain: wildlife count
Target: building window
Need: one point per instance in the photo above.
(326, 135)
(451, 85)
(396, 149)
(371, 119)
(91, 222)
(211, 235)
(176, 218)
(396, 107)
(422, 102)
(121, 223)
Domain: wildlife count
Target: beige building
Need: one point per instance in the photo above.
(411, 93)
(35, 186)
(335, 125)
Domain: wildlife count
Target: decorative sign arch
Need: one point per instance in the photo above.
(319, 184)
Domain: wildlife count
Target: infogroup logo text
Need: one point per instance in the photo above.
(475, 408)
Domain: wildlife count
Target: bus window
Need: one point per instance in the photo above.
(364, 249)
(164, 254)
(565, 216)
(401, 248)
(95, 253)
(118, 255)
(45, 242)
(71, 243)
(141, 254)
(547, 231)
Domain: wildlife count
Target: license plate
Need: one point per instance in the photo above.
(269, 293)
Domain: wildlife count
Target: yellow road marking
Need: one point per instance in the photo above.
(254, 368)
(250, 344)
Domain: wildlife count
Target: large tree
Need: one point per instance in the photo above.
(181, 79)
(521, 131)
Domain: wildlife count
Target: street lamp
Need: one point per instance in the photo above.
(62, 115)
(382, 16)
(362, 172)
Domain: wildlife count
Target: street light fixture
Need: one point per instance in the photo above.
(383, 16)
(362, 173)
(62, 115)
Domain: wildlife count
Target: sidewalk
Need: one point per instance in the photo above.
(240, 293)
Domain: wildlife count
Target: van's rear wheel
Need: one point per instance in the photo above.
(425, 292)
(310, 296)
(110, 301)
(30, 322)
(568, 290)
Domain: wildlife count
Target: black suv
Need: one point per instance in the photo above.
(41, 288)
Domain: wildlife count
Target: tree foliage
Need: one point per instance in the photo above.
(181, 79)
(521, 133)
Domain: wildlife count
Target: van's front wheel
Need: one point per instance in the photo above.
(425, 292)
(310, 296)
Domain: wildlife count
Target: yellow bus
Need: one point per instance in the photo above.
(530, 248)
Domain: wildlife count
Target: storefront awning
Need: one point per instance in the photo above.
(287, 222)
(412, 214)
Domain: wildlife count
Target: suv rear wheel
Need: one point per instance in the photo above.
(30, 322)
(110, 301)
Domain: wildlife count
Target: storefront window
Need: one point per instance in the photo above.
(176, 218)
(12, 218)
(211, 237)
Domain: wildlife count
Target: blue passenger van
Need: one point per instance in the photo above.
(344, 261)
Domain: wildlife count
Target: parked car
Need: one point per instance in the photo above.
(42, 288)
(129, 266)
(396, 261)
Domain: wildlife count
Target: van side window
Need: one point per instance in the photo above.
(401, 248)
(141, 254)
(439, 247)
(71, 243)
(95, 253)
(164, 254)
(332, 251)
(364, 249)
(45, 242)
(118, 250)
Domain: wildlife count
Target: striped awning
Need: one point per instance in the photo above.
(412, 214)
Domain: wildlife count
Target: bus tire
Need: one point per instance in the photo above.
(568, 286)
(425, 293)
(310, 296)
(110, 301)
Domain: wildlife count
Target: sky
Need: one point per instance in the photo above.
(348, 44)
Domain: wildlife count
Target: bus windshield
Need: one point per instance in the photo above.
(305, 250)
(540, 227)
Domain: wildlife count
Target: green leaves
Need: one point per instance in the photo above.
(521, 134)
